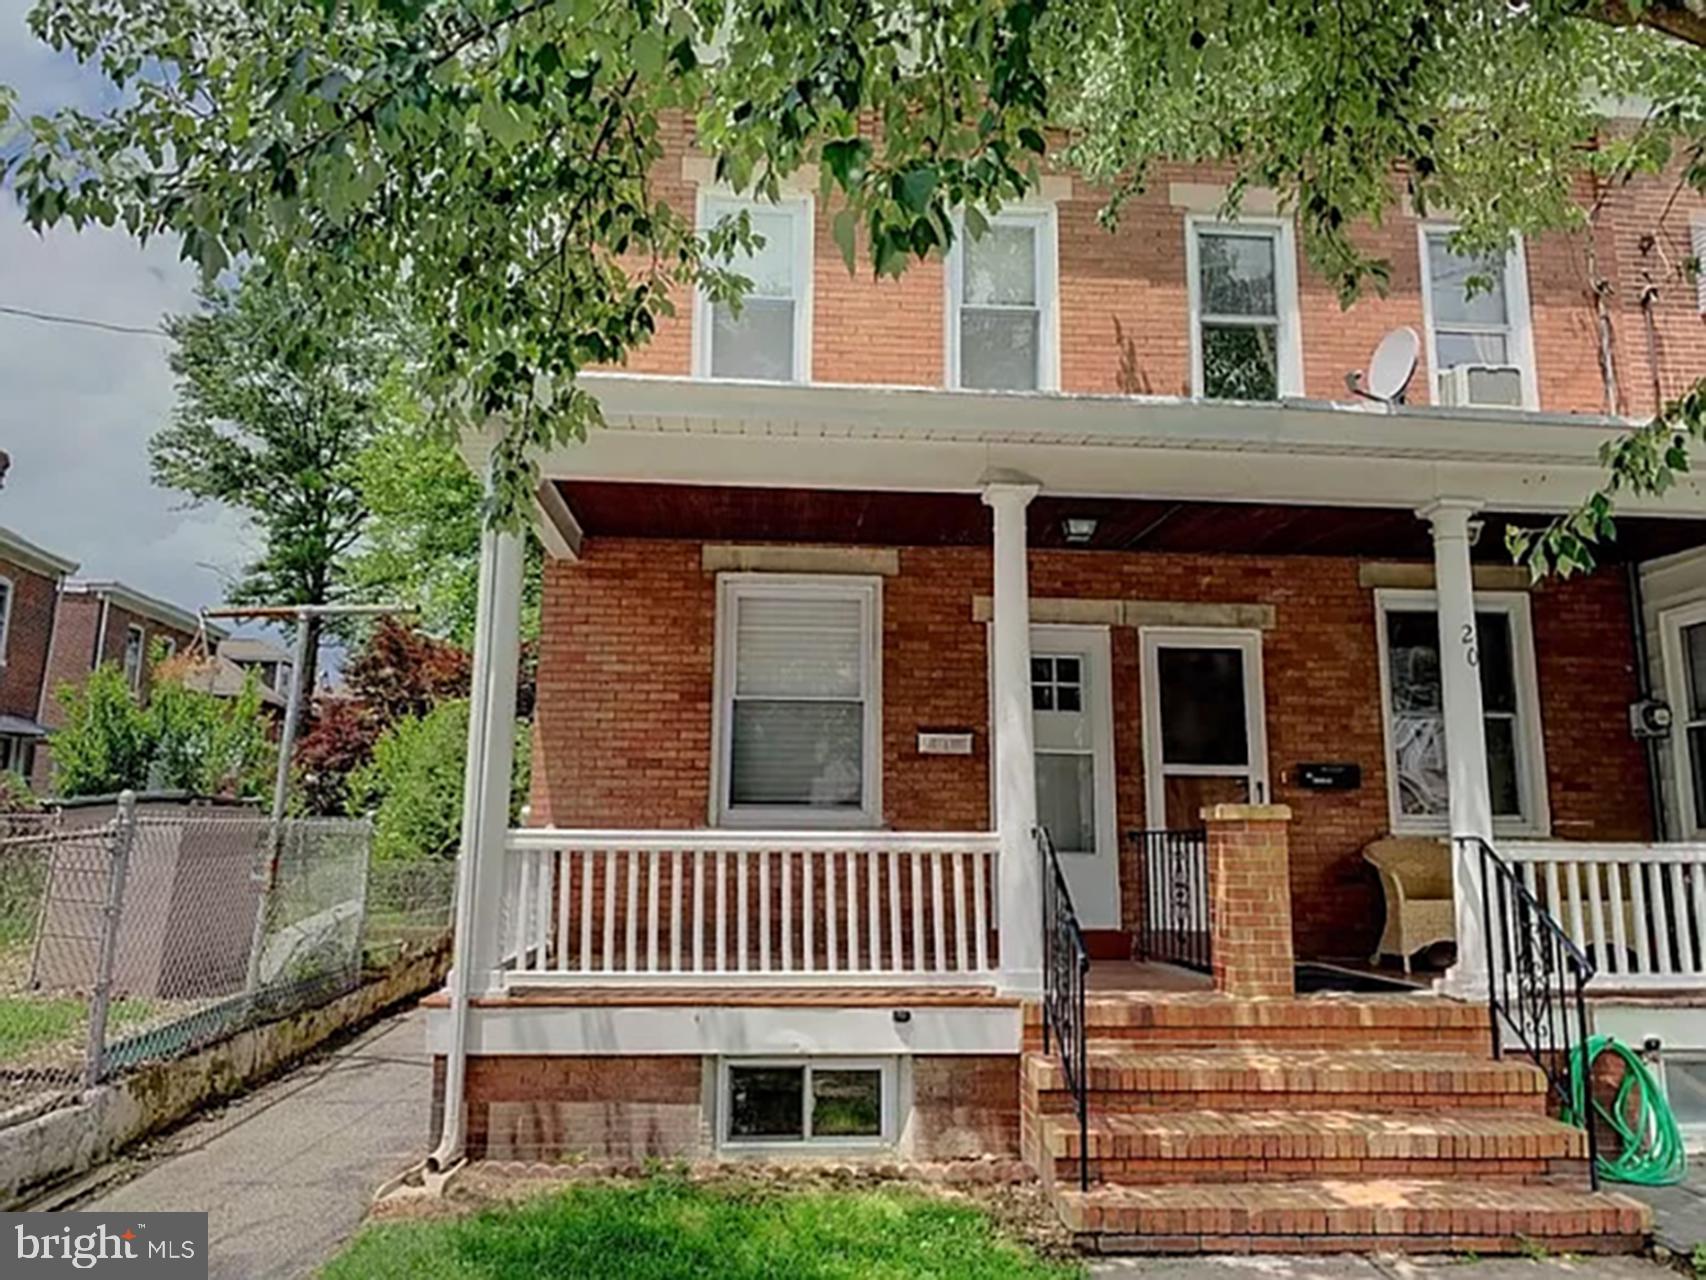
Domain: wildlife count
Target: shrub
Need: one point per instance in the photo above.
(413, 787)
(183, 740)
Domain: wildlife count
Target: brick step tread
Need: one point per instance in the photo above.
(1202, 1009)
(1261, 1070)
(1286, 1135)
(1410, 1208)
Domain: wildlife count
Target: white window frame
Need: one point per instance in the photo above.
(134, 678)
(11, 590)
(1519, 321)
(731, 588)
(888, 1075)
(1672, 623)
(1286, 303)
(1530, 738)
(1047, 227)
(712, 204)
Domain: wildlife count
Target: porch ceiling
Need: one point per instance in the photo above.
(727, 513)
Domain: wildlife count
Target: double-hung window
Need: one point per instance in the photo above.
(134, 641)
(1477, 321)
(1001, 305)
(768, 335)
(1244, 327)
(798, 722)
(1415, 717)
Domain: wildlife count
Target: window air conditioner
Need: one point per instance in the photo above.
(1495, 386)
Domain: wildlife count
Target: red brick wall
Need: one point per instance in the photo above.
(1124, 306)
(73, 655)
(28, 630)
(625, 688)
(965, 1107)
(549, 1107)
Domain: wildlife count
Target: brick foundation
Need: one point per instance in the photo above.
(555, 1107)
(1249, 885)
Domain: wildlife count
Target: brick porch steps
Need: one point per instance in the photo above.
(1136, 1078)
(1268, 1146)
(1211, 1019)
(1352, 1216)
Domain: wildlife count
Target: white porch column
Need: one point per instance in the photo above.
(1471, 806)
(1019, 879)
(491, 756)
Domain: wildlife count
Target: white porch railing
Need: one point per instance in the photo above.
(732, 908)
(1637, 910)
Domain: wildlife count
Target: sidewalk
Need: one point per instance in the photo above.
(287, 1172)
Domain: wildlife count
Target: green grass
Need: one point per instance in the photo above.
(28, 1022)
(667, 1229)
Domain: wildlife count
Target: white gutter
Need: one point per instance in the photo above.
(485, 815)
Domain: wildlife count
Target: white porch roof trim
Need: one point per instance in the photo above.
(926, 439)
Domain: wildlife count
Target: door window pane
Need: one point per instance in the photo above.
(767, 1103)
(1202, 706)
(847, 1103)
(1417, 721)
(1066, 800)
(1694, 652)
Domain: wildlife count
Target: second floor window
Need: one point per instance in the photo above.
(1243, 301)
(1477, 319)
(134, 640)
(5, 617)
(1001, 298)
(768, 338)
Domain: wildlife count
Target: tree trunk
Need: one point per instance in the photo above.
(307, 674)
(1683, 20)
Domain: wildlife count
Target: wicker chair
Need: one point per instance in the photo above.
(1415, 875)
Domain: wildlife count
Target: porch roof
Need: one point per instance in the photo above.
(875, 438)
(754, 514)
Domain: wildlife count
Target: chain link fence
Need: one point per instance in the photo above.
(128, 938)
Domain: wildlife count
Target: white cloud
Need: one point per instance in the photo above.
(77, 405)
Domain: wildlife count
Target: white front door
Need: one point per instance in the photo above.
(1684, 639)
(1073, 712)
(1204, 732)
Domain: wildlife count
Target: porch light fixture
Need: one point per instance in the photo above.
(1078, 529)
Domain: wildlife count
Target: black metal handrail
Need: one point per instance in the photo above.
(1536, 987)
(1066, 966)
(1176, 928)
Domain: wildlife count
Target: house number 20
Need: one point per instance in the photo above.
(1471, 654)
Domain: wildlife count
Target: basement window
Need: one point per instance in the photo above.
(827, 1103)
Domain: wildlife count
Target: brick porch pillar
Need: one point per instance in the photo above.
(1249, 885)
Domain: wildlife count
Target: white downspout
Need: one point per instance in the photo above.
(485, 817)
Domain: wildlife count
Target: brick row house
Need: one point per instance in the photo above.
(879, 605)
(31, 579)
(100, 623)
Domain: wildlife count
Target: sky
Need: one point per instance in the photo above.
(77, 405)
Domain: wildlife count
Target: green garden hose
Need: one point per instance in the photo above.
(1650, 1150)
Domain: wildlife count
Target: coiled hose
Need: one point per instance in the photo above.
(1650, 1152)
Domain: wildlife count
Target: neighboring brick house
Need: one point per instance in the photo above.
(861, 592)
(102, 622)
(30, 582)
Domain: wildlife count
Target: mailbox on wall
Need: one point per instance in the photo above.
(1329, 776)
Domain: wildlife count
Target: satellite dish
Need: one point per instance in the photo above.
(1390, 369)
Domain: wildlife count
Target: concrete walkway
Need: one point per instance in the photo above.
(287, 1172)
